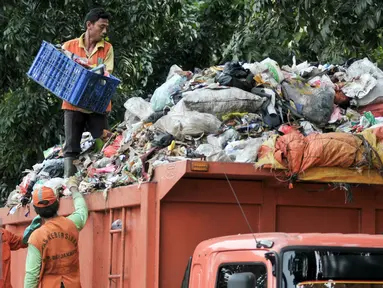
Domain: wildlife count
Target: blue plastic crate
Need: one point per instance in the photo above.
(70, 81)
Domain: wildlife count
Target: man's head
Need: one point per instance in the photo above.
(45, 202)
(97, 23)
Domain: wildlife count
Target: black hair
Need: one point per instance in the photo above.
(49, 211)
(95, 14)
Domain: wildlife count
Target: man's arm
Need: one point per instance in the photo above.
(32, 267)
(109, 60)
(80, 215)
(36, 223)
(15, 242)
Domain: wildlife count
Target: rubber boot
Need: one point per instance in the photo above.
(69, 168)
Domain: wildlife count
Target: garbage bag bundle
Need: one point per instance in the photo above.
(212, 153)
(162, 96)
(315, 104)
(298, 153)
(137, 109)
(234, 75)
(220, 101)
(222, 140)
(188, 123)
(361, 67)
(375, 96)
(244, 151)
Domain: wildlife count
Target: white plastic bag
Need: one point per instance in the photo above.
(244, 151)
(364, 66)
(222, 140)
(173, 71)
(137, 109)
(359, 88)
(212, 153)
(375, 96)
(222, 100)
(255, 68)
(188, 123)
(274, 69)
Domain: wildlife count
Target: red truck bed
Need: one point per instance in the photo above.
(167, 218)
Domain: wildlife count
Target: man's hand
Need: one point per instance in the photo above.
(72, 184)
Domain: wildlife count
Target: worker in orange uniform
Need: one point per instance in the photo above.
(10, 242)
(92, 49)
(53, 255)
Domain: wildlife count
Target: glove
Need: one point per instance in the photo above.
(36, 223)
(72, 183)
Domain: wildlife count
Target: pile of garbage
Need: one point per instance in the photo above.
(290, 117)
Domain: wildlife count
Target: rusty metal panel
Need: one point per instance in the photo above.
(379, 221)
(317, 219)
(196, 210)
(166, 219)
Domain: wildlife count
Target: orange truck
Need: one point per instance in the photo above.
(176, 230)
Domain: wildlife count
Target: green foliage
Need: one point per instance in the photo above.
(29, 122)
(151, 35)
(326, 31)
(148, 37)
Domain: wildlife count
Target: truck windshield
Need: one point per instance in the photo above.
(332, 268)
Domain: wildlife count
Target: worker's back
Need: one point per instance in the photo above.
(57, 241)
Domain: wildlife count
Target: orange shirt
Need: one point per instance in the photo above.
(57, 241)
(10, 242)
(101, 54)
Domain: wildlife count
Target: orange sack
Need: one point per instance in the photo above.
(299, 153)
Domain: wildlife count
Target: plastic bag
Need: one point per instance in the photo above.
(53, 168)
(308, 128)
(28, 181)
(222, 140)
(364, 66)
(162, 96)
(188, 123)
(222, 101)
(274, 69)
(234, 75)
(255, 68)
(162, 140)
(375, 96)
(212, 153)
(244, 151)
(173, 71)
(361, 87)
(250, 152)
(315, 104)
(321, 81)
(137, 109)
(233, 149)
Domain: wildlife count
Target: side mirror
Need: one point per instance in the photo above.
(242, 280)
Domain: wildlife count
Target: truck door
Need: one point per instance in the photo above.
(224, 264)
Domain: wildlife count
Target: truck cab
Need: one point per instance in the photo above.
(282, 260)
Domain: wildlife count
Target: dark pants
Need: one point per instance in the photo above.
(75, 123)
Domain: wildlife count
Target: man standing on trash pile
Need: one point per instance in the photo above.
(10, 243)
(94, 50)
(53, 256)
